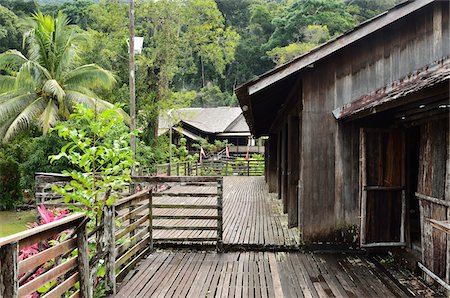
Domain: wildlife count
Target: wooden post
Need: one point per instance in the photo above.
(86, 286)
(226, 168)
(150, 220)
(196, 169)
(189, 170)
(110, 247)
(9, 271)
(168, 169)
(178, 169)
(219, 214)
(248, 167)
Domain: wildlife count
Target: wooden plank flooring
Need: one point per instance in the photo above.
(257, 274)
(251, 216)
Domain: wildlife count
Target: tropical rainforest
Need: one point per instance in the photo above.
(54, 54)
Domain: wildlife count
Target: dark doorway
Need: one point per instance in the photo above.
(383, 205)
(412, 172)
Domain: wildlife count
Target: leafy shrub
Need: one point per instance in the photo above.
(37, 153)
(10, 192)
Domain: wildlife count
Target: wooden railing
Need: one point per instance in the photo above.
(126, 233)
(132, 231)
(177, 210)
(212, 168)
(67, 271)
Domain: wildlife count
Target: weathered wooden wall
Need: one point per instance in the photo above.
(434, 182)
(329, 169)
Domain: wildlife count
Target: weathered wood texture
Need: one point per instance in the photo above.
(252, 274)
(329, 159)
(292, 170)
(11, 268)
(271, 156)
(433, 182)
(251, 216)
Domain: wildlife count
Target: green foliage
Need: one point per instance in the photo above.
(98, 148)
(291, 25)
(211, 96)
(10, 194)
(10, 35)
(213, 148)
(37, 152)
(281, 55)
(41, 89)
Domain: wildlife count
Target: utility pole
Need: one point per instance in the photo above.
(132, 82)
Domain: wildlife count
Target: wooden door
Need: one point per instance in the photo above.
(382, 188)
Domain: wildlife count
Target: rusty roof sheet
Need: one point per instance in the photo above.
(427, 76)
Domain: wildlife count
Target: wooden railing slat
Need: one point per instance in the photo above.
(128, 215)
(133, 240)
(63, 287)
(139, 196)
(44, 256)
(48, 276)
(141, 244)
(181, 206)
(32, 236)
(131, 227)
(192, 228)
(170, 194)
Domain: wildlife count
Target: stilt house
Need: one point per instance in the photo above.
(358, 128)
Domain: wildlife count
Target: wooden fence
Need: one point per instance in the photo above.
(124, 236)
(171, 209)
(15, 273)
(249, 167)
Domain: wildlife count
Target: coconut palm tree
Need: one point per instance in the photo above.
(42, 87)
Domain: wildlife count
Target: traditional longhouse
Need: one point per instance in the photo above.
(221, 123)
(359, 134)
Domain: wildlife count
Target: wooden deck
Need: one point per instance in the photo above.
(251, 216)
(253, 274)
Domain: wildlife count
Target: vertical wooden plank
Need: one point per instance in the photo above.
(86, 287)
(110, 247)
(284, 141)
(292, 170)
(220, 214)
(280, 137)
(9, 277)
(363, 182)
(150, 219)
(272, 163)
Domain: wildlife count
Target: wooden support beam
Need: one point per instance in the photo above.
(86, 286)
(9, 271)
(109, 233)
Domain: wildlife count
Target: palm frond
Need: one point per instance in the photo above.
(53, 88)
(24, 77)
(12, 58)
(4, 125)
(12, 106)
(49, 116)
(24, 119)
(7, 83)
(92, 102)
(90, 75)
